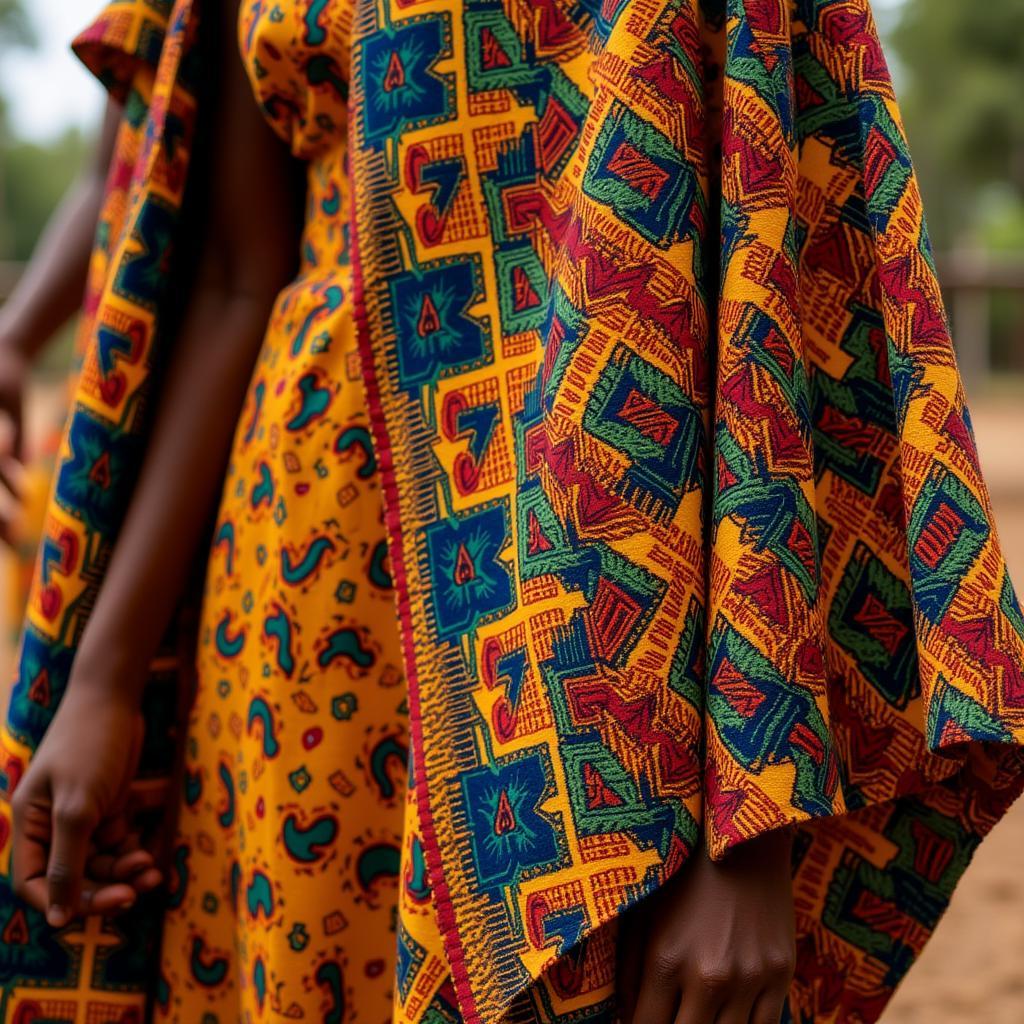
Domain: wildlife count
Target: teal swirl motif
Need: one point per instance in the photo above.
(225, 538)
(278, 628)
(315, 401)
(315, 34)
(259, 982)
(177, 885)
(382, 860)
(208, 969)
(259, 896)
(358, 440)
(227, 816)
(294, 574)
(263, 491)
(345, 643)
(228, 645)
(307, 845)
(417, 884)
(378, 573)
(330, 977)
(261, 714)
(388, 751)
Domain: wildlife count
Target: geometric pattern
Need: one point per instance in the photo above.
(686, 522)
(93, 971)
(688, 531)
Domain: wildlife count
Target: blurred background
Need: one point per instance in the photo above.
(959, 71)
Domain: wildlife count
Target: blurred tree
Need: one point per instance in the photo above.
(963, 100)
(34, 180)
(33, 177)
(15, 29)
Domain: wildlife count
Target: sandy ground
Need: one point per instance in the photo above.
(973, 969)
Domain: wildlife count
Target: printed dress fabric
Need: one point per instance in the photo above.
(617, 363)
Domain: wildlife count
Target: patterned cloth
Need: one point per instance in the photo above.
(42, 459)
(685, 519)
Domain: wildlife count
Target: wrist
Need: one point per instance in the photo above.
(773, 850)
(14, 339)
(110, 670)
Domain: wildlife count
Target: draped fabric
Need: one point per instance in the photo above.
(686, 522)
(688, 531)
(123, 48)
(94, 971)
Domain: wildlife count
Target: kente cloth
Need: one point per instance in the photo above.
(687, 530)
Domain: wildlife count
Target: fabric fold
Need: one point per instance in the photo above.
(123, 43)
(120, 337)
(656, 421)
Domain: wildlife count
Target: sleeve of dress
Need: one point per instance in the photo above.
(124, 40)
(862, 628)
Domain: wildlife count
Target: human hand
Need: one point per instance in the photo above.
(14, 369)
(73, 851)
(715, 945)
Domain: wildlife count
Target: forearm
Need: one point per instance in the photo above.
(178, 486)
(247, 222)
(50, 290)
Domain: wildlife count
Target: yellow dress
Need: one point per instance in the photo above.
(287, 855)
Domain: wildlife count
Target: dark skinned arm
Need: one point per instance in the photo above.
(49, 292)
(714, 945)
(47, 295)
(69, 809)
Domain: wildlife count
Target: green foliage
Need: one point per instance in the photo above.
(34, 179)
(963, 100)
(15, 29)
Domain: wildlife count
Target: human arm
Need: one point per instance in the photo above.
(714, 945)
(50, 290)
(48, 293)
(75, 784)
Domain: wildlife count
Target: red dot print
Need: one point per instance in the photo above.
(311, 737)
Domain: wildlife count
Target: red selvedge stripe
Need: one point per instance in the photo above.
(443, 907)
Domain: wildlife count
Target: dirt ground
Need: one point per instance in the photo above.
(973, 969)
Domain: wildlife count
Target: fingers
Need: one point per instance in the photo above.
(658, 999)
(12, 476)
(735, 1011)
(703, 1002)
(106, 899)
(136, 867)
(73, 824)
(30, 841)
(11, 426)
(769, 1007)
(113, 835)
(630, 948)
(111, 882)
(148, 880)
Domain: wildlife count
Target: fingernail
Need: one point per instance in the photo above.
(57, 916)
(126, 904)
